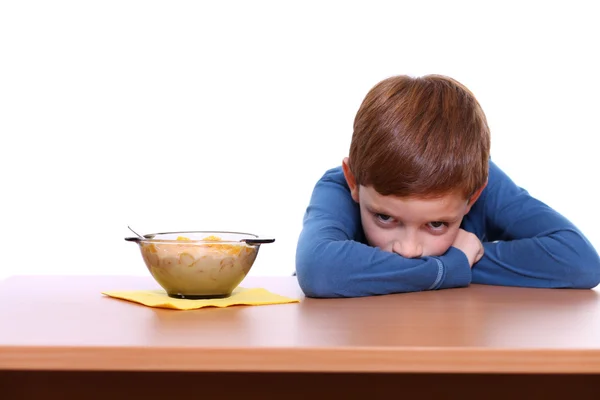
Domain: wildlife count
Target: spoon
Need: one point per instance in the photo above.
(140, 236)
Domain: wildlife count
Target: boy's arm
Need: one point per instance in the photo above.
(530, 244)
(331, 262)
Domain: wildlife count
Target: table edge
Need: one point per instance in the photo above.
(344, 360)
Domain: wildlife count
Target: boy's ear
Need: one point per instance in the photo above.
(476, 195)
(350, 179)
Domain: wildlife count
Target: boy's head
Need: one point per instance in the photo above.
(418, 161)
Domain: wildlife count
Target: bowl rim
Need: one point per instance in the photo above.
(150, 237)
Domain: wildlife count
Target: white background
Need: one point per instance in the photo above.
(191, 115)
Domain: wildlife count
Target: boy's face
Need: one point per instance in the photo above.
(411, 227)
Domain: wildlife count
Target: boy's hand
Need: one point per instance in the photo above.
(469, 244)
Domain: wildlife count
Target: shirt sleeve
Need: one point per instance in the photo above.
(333, 261)
(529, 244)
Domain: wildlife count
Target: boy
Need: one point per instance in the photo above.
(419, 205)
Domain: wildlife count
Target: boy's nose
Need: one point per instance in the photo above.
(408, 249)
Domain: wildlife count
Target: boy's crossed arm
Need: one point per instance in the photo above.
(530, 244)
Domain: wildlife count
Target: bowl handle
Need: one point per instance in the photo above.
(257, 241)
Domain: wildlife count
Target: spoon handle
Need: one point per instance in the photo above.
(138, 235)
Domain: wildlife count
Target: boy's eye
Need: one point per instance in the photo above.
(437, 225)
(383, 218)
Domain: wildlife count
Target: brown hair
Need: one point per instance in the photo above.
(420, 137)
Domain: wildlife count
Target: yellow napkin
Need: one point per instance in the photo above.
(240, 296)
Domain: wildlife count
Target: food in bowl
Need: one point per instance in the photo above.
(199, 264)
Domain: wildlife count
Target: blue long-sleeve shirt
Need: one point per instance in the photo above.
(526, 243)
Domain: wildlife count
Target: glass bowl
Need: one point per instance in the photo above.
(199, 264)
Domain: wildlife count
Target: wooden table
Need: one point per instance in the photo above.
(61, 338)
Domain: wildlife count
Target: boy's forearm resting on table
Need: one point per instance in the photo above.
(329, 265)
(562, 259)
(530, 244)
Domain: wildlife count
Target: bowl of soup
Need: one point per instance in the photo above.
(199, 264)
